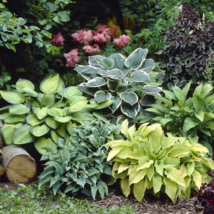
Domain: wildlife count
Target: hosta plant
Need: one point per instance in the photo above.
(146, 159)
(120, 83)
(188, 114)
(81, 165)
(42, 117)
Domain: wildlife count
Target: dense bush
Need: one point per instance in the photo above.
(79, 165)
(186, 115)
(124, 82)
(42, 117)
(148, 160)
(189, 43)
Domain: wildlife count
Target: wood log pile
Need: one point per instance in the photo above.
(16, 164)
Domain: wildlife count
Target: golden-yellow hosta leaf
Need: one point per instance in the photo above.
(141, 129)
(148, 182)
(139, 190)
(124, 127)
(187, 181)
(184, 170)
(197, 178)
(159, 167)
(123, 166)
(198, 148)
(149, 129)
(131, 169)
(116, 166)
(144, 165)
(168, 141)
(179, 152)
(175, 175)
(136, 154)
(114, 152)
(190, 168)
(137, 177)
(171, 162)
(155, 139)
(157, 183)
(150, 172)
(170, 188)
(121, 175)
(125, 187)
(123, 153)
(131, 132)
(115, 143)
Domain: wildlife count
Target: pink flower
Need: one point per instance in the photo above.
(82, 37)
(72, 57)
(91, 50)
(100, 38)
(57, 39)
(121, 42)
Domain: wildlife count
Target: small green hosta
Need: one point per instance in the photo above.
(149, 160)
(81, 165)
(189, 114)
(42, 117)
(121, 83)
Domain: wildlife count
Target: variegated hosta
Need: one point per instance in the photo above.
(149, 160)
(119, 82)
(42, 117)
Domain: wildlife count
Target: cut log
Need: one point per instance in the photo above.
(20, 167)
(2, 170)
(1, 142)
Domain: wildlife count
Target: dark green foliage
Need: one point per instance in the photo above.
(185, 115)
(189, 43)
(79, 165)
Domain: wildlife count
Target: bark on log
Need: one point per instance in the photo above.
(2, 170)
(20, 167)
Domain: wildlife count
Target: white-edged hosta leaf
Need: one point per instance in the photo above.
(42, 143)
(92, 61)
(87, 90)
(138, 76)
(129, 97)
(112, 85)
(23, 135)
(39, 131)
(147, 65)
(70, 91)
(104, 62)
(63, 119)
(130, 111)
(33, 120)
(19, 109)
(101, 96)
(119, 60)
(114, 74)
(12, 97)
(116, 103)
(22, 83)
(50, 84)
(151, 89)
(96, 82)
(135, 60)
(89, 72)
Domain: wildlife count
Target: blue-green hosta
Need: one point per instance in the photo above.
(148, 160)
(81, 165)
(120, 83)
(42, 117)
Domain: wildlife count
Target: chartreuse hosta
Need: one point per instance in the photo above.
(120, 83)
(191, 116)
(42, 117)
(148, 160)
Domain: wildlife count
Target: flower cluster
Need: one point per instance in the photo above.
(121, 42)
(57, 39)
(72, 58)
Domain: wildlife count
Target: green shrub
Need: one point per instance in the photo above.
(188, 116)
(81, 164)
(148, 160)
(42, 117)
(120, 83)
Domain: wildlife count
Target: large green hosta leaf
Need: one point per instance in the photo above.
(50, 84)
(12, 97)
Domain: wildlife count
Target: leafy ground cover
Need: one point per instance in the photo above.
(29, 200)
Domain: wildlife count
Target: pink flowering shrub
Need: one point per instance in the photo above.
(91, 43)
(57, 39)
(121, 42)
(72, 57)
